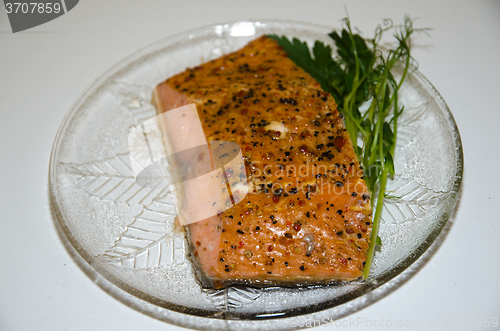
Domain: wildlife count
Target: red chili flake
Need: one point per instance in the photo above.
(248, 148)
(343, 260)
(296, 227)
(241, 243)
(339, 142)
(276, 198)
(348, 230)
(270, 248)
(303, 149)
(198, 243)
(244, 111)
(246, 104)
(288, 223)
(195, 253)
(301, 202)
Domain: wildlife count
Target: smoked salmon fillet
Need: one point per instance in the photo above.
(307, 217)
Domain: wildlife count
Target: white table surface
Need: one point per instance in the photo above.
(43, 71)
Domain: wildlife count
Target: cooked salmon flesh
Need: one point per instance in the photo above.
(306, 218)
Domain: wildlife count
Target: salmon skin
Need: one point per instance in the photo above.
(307, 217)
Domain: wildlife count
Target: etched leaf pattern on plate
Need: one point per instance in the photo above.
(232, 297)
(409, 200)
(112, 179)
(150, 240)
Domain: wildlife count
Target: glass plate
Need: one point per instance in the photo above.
(113, 223)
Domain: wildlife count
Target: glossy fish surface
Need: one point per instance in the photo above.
(306, 218)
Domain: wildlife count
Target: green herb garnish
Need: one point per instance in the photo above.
(362, 73)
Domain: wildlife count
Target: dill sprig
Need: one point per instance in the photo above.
(361, 74)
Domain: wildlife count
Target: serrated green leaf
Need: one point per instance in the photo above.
(388, 134)
(389, 163)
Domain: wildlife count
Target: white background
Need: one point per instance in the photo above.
(43, 71)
